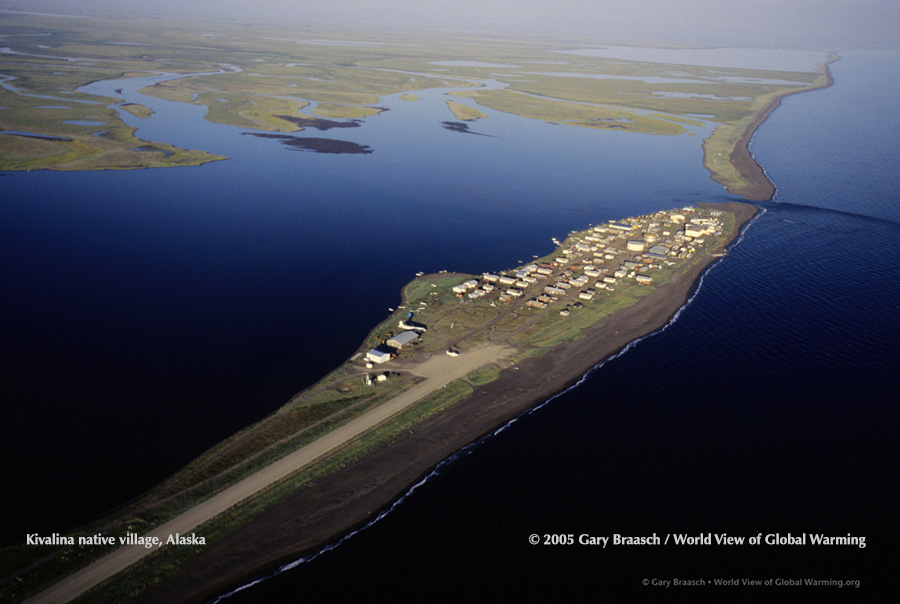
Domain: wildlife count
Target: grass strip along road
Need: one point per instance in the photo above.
(438, 371)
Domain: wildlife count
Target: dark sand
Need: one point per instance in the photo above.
(319, 513)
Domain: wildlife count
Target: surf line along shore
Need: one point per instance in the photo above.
(321, 511)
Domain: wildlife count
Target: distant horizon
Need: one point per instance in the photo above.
(800, 24)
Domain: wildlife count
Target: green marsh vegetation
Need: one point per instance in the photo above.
(137, 110)
(465, 112)
(275, 78)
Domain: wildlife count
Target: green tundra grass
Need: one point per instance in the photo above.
(264, 78)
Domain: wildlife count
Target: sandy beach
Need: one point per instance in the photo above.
(320, 512)
(760, 187)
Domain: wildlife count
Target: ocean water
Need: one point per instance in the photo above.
(768, 407)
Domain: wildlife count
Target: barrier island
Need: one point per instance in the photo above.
(462, 355)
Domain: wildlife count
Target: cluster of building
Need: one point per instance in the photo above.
(599, 258)
(391, 345)
(588, 261)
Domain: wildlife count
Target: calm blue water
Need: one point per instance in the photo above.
(148, 314)
(768, 406)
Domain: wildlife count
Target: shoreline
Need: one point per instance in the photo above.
(347, 500)
(760, 187)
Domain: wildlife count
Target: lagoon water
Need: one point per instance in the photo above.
(767, 407)
(148, 314)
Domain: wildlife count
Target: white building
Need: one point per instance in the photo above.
(378, 356)
(579, 281)
(464, 287)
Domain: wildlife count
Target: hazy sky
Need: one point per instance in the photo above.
(823, 24)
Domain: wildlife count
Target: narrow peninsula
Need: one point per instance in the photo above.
(461, 355)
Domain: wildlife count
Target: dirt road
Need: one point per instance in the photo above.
(438, 371)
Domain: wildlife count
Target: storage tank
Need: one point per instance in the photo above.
(635, 246)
